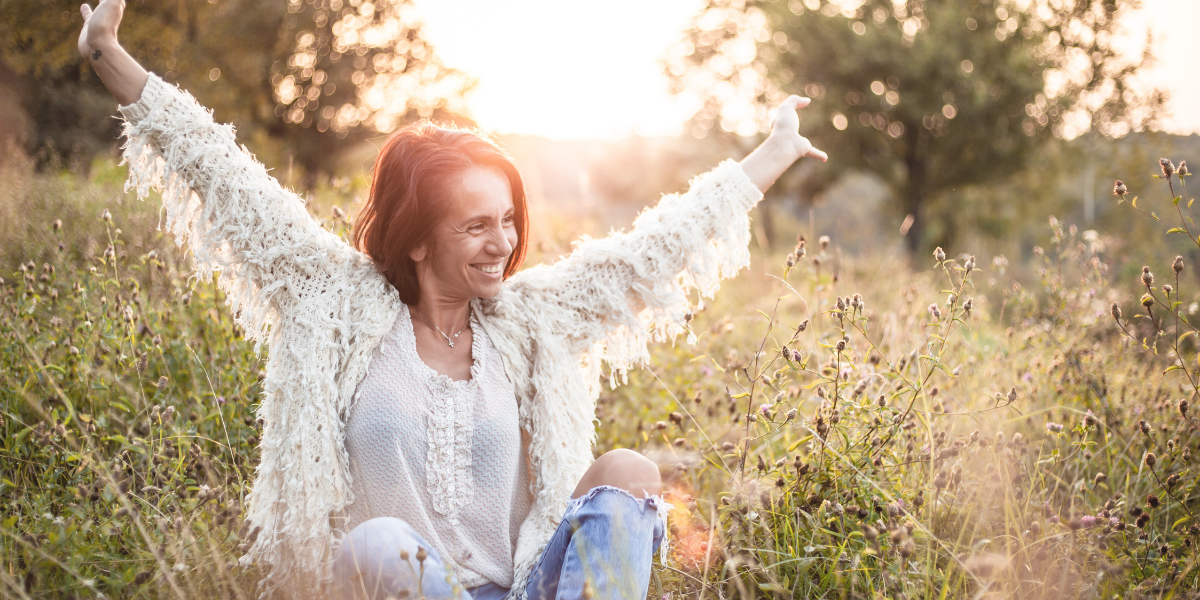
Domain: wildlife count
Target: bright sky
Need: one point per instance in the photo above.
(567, 69)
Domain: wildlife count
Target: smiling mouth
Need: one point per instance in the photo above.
(489, 269)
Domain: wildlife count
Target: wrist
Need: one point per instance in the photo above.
(105, 44)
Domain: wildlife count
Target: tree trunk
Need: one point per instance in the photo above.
(914, 190)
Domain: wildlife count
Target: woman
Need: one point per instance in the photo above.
(429, 411)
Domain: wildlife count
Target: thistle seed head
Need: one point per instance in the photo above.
(823, 241)
(1177, 266)
(1183, 170)
(1168, 168)
(1151, 460)
(1183, 407)
(1147, 277)
(939, 254)
(1147, 300)
(421, 554)
(1167, 289)
(1119, 188)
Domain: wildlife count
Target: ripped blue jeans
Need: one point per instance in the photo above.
(606, 540)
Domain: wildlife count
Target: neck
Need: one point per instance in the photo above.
(448, 315)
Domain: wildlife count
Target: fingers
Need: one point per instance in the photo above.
(814, 153)
(86, 11)
(793, 102)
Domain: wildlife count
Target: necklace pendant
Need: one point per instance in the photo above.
(451, 344)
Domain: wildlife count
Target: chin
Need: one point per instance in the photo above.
(488, 292)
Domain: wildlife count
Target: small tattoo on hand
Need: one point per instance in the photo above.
(96, 55)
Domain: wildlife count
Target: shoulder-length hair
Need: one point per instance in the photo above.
(410, 187)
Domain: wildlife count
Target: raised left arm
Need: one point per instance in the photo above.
(630, 287)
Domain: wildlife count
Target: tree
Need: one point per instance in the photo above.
(306, 78)
(931, 95)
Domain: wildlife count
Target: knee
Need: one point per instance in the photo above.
(629, 471)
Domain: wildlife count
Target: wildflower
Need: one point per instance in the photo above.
(1087, 521)
(841, 304)
(970, 264)
(1167, 289)
(1168, 168)
(1151, 460)
(1054, 427)
(339, 214)
(803, 325)
(1153, 501)
(791, 261)
(841, 345)
(1143, 520)
(1147, 300)
(1183, 170)
(1100, 478)
(1119, 188)
(939, 254)
(935, 311)
(870, 533)
(1183, 408)
(1172, 480)
(1144, 427)
(162, 383)
(791, 414)
(907, 548)
(1147, 277)
(421, 555)
(968, 305)
(823, 241)
(1089, 419)
(1012, 396)
(106, 216)
(1116, 312)
(1177, 266)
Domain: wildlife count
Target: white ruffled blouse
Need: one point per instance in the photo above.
(445, 456)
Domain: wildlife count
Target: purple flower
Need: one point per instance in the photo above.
(1088, 521)
(1053, 518)
(220, 400)
(1054, 427)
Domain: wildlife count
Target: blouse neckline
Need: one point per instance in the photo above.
(407, 342)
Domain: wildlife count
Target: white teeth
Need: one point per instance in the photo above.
(495, 269)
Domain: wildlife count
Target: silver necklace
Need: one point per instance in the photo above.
(449, 339)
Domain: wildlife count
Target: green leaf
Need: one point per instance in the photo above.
(1175, 230)
(796, 444)
(772, 587)
(1172, 368)
(1175, 201)
(741, 395)
(1179, 522)
(1133, 203)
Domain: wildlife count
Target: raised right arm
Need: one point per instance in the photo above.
(274, 258)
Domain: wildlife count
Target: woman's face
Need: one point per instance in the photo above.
(471, 246)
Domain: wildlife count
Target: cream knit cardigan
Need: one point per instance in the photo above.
(322, 308)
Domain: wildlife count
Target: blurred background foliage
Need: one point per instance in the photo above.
(302, 81)
(931, 96)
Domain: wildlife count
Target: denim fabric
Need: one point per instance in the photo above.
(607, 537)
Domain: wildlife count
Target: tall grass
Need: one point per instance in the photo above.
(835, 426)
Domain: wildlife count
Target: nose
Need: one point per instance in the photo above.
(499, 244)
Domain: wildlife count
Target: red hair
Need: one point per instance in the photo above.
(410, 187)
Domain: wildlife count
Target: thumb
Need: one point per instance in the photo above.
(86, 11)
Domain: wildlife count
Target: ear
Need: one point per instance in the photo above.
(418, 254)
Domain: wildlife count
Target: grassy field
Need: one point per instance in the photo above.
(835, 426)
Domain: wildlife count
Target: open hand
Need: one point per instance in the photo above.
(99, 28)
(786, 125)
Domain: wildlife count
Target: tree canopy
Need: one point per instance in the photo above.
(302, 78)
(931, 95)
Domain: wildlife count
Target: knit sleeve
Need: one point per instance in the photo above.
(220, 201)
(632, 287)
